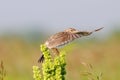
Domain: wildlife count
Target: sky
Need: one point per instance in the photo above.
(56, 15)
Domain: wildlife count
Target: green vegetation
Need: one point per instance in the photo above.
(104, 55)
(36, 73)
(52, 69)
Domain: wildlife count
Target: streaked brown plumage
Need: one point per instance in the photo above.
(62, 38)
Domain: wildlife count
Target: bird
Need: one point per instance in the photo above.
(62, 38)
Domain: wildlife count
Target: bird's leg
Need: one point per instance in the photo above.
(55, 51)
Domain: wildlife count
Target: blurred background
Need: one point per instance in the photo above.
(25, 24)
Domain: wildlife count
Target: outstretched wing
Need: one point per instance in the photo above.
(58, 39)
(63, 38)
(86, 33)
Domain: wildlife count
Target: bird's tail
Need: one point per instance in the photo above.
(41, 59)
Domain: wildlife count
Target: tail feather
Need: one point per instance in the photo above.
(41, 59)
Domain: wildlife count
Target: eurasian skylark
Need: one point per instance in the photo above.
(62, 38)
